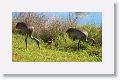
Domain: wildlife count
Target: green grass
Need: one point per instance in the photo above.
(62, 53)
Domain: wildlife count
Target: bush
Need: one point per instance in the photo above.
(44, 27)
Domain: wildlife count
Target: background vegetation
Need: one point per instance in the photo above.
(63, 49)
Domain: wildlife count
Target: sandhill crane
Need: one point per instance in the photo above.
(80, 35)
(27, 30)
(50, 41)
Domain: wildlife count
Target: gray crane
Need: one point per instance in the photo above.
(27, 30)
(81, 35)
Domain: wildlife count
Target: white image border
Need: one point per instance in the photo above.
(104, 67)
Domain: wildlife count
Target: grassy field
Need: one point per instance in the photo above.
(53, 53)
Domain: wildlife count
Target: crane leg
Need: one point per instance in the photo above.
(26, 40)
(78, 44)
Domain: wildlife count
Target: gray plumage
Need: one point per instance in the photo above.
(81, 35)
(28, 31)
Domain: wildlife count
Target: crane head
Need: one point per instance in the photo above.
(91, 40)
